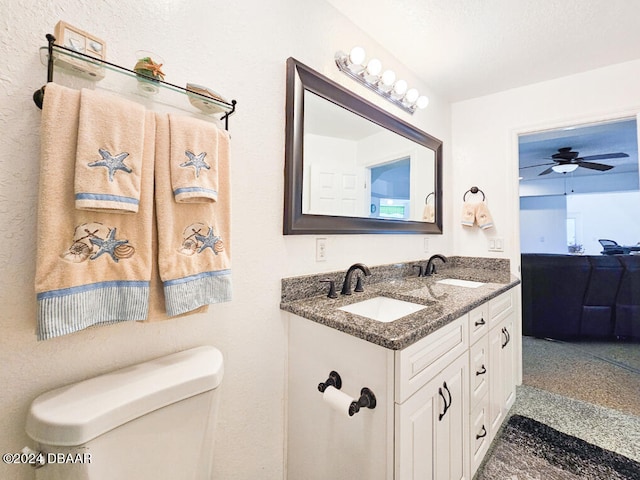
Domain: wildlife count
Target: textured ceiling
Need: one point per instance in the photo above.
(468, 48)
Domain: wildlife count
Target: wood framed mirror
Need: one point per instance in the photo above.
(352, 167)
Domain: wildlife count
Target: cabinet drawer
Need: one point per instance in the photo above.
(478, 371)
(500, 307)
(478, 323)
(420, 362)
(479, 433)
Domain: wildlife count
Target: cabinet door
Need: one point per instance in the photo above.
(479, 433)
(509, 364)
(496, 409)
(503, 370)
(432, 428)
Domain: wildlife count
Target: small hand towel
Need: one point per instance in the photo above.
(194, 244)
(468, 214)
(429, 213)
(483, 217)
(109, 153)
(92, 268)
(194, 159)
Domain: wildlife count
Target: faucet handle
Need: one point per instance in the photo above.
(420, 270)
(359, 287)
(332, 287)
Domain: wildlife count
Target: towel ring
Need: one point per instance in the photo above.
(426, 200)
(473, 190)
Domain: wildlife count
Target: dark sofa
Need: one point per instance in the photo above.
(574, 296)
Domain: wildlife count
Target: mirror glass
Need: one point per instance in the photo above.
(351, 167)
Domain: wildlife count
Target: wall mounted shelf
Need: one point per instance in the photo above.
(122, 79)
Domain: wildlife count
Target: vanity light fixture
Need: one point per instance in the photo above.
(384, 83)
(564, 167)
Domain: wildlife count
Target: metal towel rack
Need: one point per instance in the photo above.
(473, 190)
(38, 95)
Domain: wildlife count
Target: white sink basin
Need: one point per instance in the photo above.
(383, 309)
(460, 283)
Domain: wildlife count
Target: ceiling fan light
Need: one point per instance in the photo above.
(564, 167)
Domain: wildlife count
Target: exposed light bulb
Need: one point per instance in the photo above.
(411, 96)
(357, 56)
(400, 87)
(422, 101)
(388, 77)
(374, 67)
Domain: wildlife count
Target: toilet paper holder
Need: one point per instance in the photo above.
(367, 398)
(334, 380)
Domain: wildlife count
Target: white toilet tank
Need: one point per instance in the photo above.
(151, 421)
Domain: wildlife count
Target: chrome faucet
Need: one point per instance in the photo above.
(430, 269)
(346, 286)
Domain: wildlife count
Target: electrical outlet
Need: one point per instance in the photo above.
(321, 249)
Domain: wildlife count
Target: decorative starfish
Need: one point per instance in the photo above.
(195, 161)
(153, 67)
(208, 242)
(108, 245)
(112, 163)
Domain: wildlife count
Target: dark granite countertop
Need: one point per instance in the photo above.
(444, 303)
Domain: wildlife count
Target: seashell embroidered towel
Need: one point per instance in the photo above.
(109, 153)
(92, 268)
(194, 247)
(194, 159)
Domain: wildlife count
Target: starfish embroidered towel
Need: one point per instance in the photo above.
(109, 153)
(194, 159)
(194, 243)
(468, 214)
(92, 268)
(483, 216)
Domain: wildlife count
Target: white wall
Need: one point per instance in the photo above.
(543, 224)
(613, 216)
(484, 135)
(239, 49)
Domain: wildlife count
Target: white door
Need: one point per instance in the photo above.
(336, 192)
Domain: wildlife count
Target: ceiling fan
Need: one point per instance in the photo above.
(567, 160)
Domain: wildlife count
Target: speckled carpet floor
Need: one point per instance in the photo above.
(602, 373)
(585, 394)
(530, 450)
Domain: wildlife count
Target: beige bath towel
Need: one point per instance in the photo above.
(109, 153)
(468, 214)
(194, 239)
(194, 159)
(429, 213)
(92, 268)
(483, 216)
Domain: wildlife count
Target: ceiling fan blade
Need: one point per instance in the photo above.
(547, 171)
(539, 165)
(604, 156)
(595, 166)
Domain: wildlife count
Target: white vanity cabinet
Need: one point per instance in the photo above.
(494, 365)
(429, 402)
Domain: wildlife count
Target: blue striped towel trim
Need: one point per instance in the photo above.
(179, 191)
(69, 310)
(185, 294)
(105, 197)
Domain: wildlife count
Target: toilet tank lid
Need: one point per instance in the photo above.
(74, 414)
